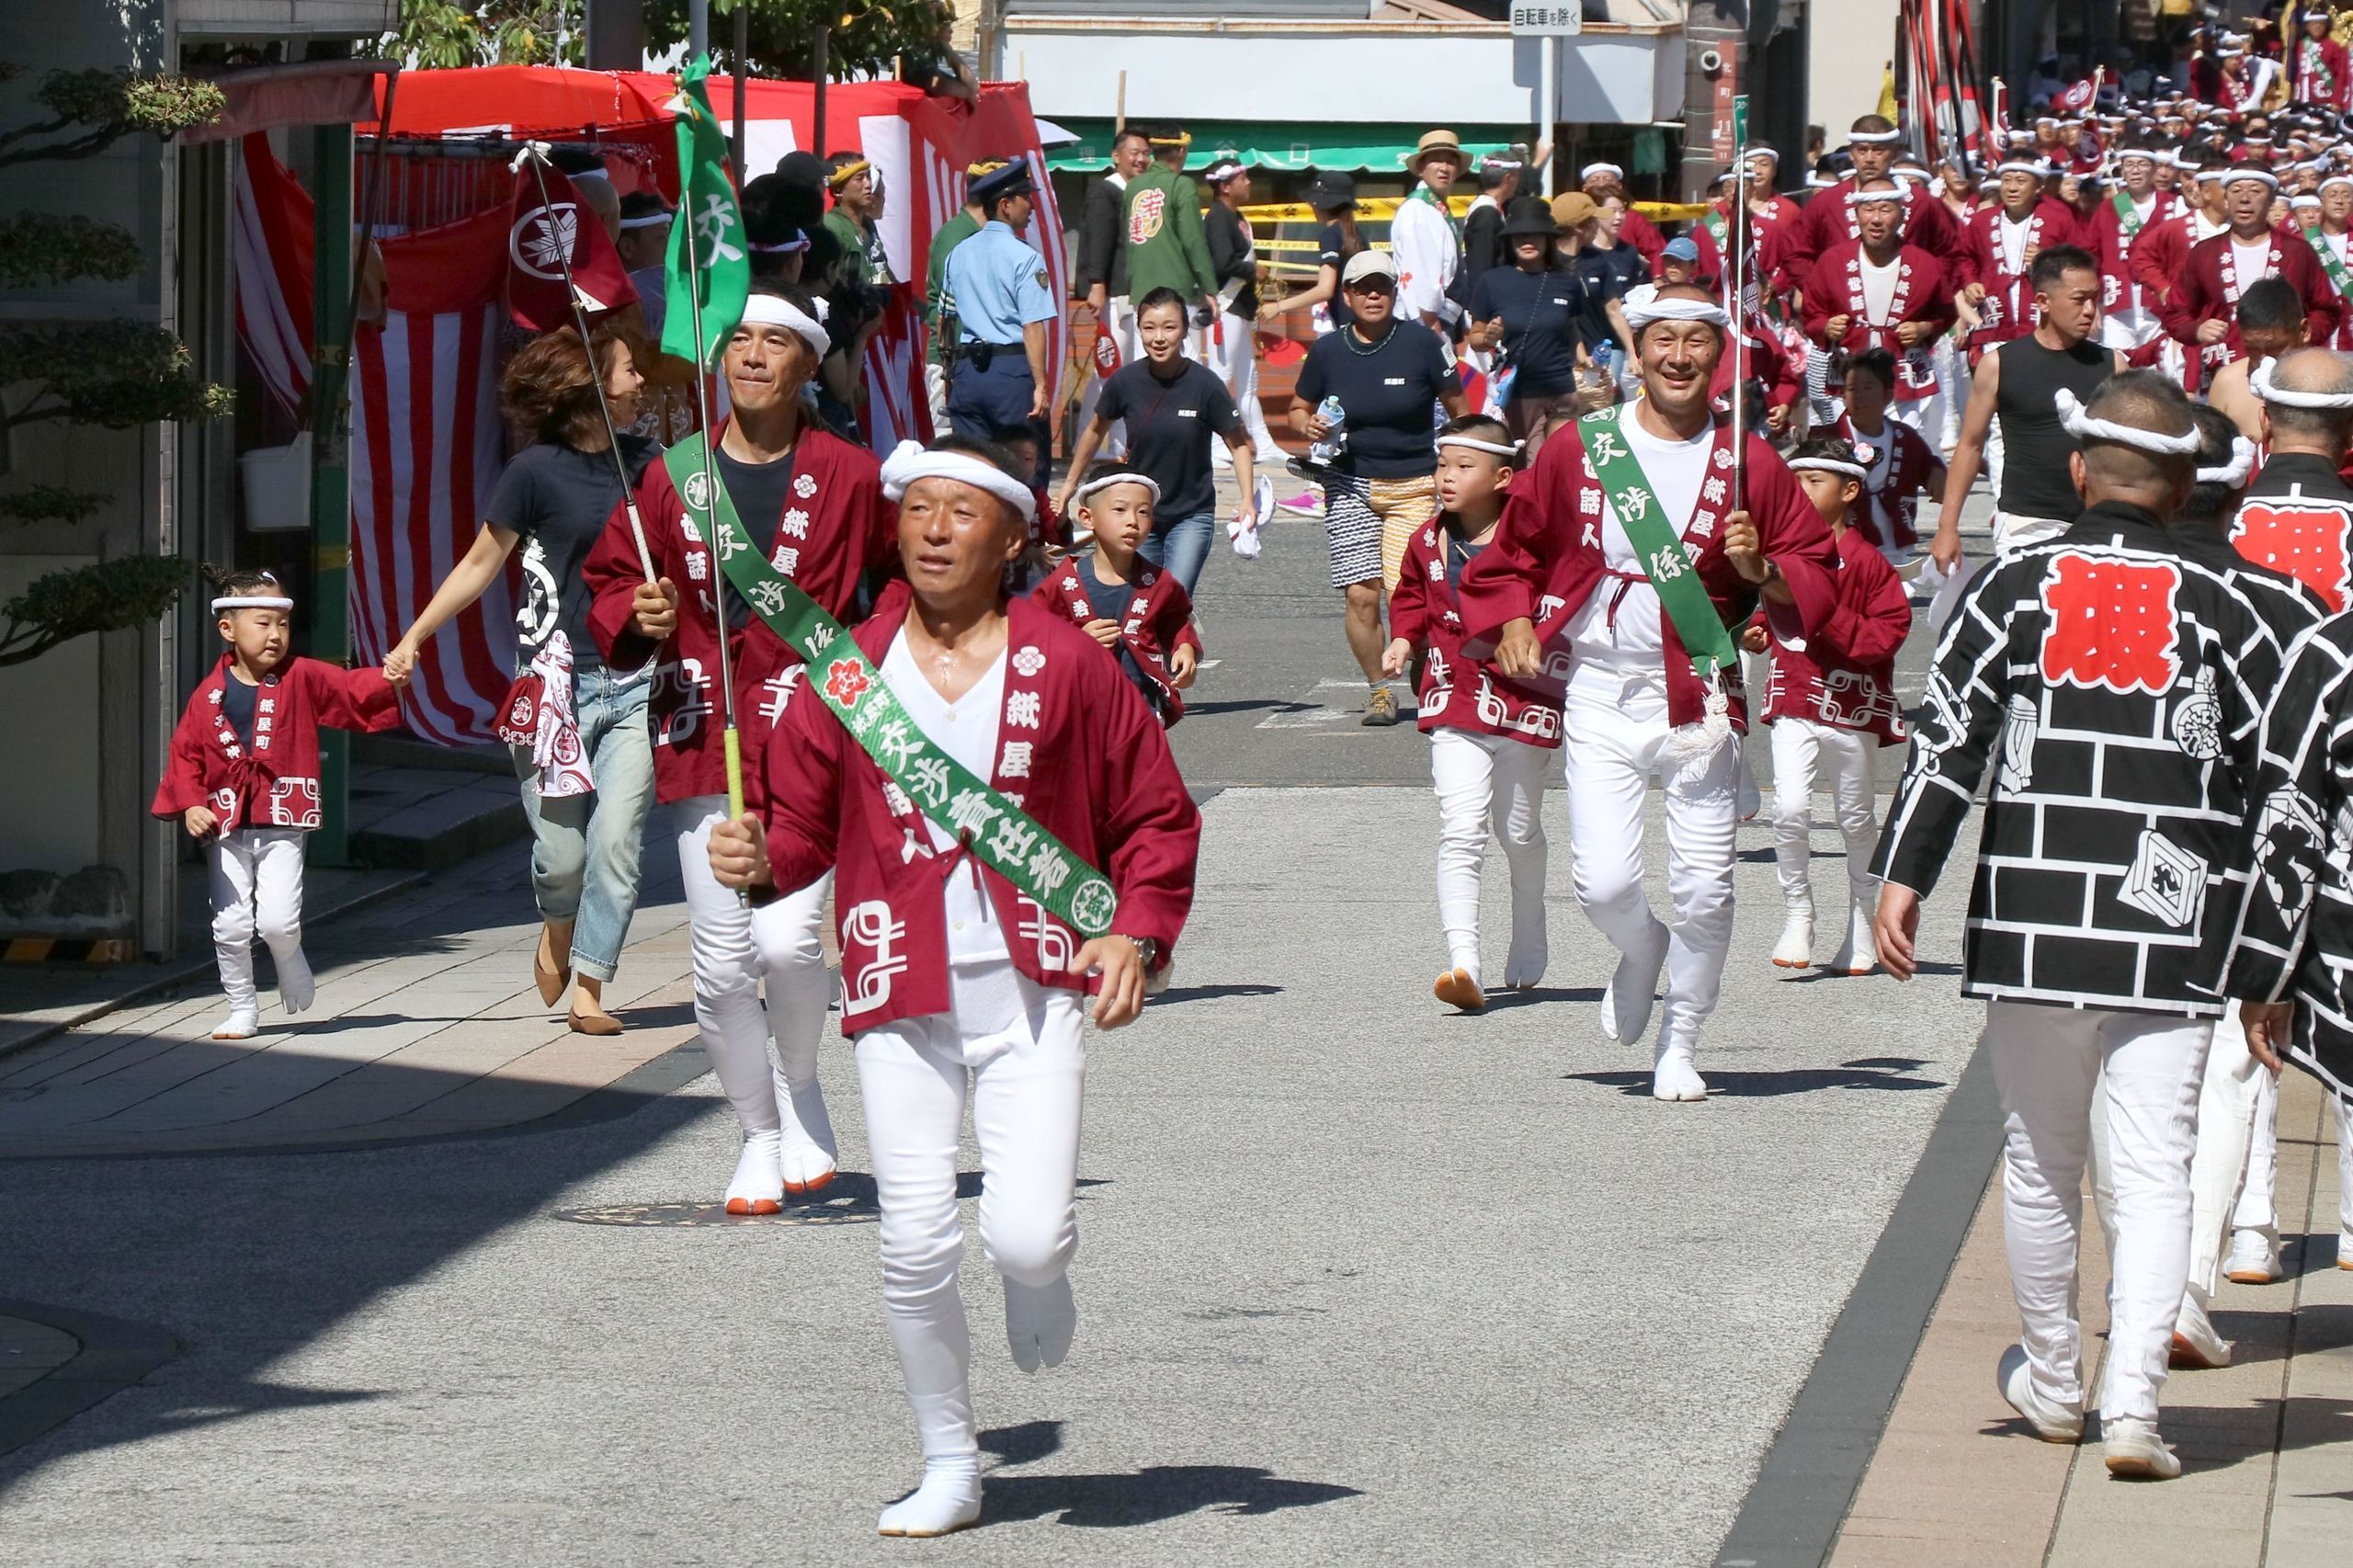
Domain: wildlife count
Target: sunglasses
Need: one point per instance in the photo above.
(1371, 286)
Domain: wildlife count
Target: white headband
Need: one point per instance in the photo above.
(774, 310)
(1864, 198)
(1495, 449)
(1649, 311)
(1102, 482)
(252, 601)
(2234, 473)
(911, 462)
(2261, 176)
(646, 220)
(2258, 382)
(1592, 169)
(2084, 427)
(2336, 180)
(1855, 472)
(1874, 138)
(2021, 166)
(2303, 200)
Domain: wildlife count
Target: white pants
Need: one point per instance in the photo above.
(1025, 1086)
(257, 875)
(733, 945)
(1952, 374)
(2139, 327)
(1484, 780)
(1806, 754)
(2047, 1061)
(1236, 361)
(1614, 739)
(1925, 415)
(2257, 1209)
(2012, 532)
(1119, 321)
(2343, 1109)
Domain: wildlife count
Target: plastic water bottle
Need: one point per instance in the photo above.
(1335, 433)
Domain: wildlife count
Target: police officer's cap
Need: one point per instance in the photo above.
(988, 189)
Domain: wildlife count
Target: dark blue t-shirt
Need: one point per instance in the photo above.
(1387, 394)
(237, 707)
(1110, 601)
(1608, 275)
(1542, 314)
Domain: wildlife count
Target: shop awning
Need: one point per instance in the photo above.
(1287, 145)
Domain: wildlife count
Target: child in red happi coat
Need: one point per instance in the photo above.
(1831, 703)
(1140, 612)
(243, 778)
(1491, 739)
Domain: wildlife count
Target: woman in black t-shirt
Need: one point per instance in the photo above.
(554, 498)
(1333, 198)
(1529, 309)
(1389, 377)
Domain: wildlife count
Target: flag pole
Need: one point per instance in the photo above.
(536, 155)
(729, 737)
(1738, 312)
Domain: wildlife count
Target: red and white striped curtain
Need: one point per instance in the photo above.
(426, 446)
(269, 226)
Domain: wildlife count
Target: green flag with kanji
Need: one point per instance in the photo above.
(1739, 123)
(715, 278)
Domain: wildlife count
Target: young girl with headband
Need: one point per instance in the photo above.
(1491, 739)
(242, 777)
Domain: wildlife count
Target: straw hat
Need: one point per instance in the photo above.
(1432, 143)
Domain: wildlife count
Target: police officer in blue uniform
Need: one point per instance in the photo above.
(996, 285)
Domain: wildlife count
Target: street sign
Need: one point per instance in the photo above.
(1546, 18)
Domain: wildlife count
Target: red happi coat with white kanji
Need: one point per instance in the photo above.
(835, 528)
(1078, 750)
(2160, 251)
(2320, 75)
(1888, 513)
(1826, 221)
(2121, 288)
(1158, 622)
(1547, 560)
(275, 781)
(2342, 246)
(1834, 287)
(1842, 673)
(1458, 692)
(2211, 288)
(2007, 309)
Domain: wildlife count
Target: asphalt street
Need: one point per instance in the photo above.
(1359, 1281)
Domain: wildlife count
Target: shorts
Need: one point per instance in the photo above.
(1370, 522)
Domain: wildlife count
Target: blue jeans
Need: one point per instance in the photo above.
(586, 848)
(1181, 545)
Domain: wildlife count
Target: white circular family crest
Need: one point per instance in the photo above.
(543, 238)
(1092, 904)
(697, 490)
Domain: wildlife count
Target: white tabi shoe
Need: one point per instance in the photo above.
(1633, 987)
(1459, 988)
(2053, 1422)
(297, 988)
(1859, 954)
(2254, 1259)
(758, 1187)
(2197, 1347)
(242, 1023)
(2135, 1452)
(1530, 955)
(805, 1155)
(949, 1500)
(1795, 949)
(1040, 1321)
(1674, 1077)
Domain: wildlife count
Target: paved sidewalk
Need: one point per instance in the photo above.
(2267, 1443)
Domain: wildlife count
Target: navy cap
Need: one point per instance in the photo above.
(1013, 179)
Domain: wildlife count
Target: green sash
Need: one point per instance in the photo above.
(2127, 216)
(1665, 560)
(1000, 835)
(2331, 263)
(1424, 194)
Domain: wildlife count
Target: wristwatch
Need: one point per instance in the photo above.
(1147, 947)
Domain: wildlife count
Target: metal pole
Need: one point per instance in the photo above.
(698, 27)
(819, 70)
(330, 472)
(1738, 312)
(743, 68)
(538, 160)
(733, 742)
(1548, 98)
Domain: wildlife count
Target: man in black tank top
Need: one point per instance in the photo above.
(2013, 418)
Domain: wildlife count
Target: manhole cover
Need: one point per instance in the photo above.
(848, 1199)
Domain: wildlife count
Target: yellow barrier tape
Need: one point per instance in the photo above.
(1381, 208)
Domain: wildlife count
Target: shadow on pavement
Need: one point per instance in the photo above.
(1867, 1072)
(1211, 993)
(1150, 1495)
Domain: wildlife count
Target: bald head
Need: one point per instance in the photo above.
(2113, 471)
(2323, 431)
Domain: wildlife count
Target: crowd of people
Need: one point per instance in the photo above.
(1583, 478)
